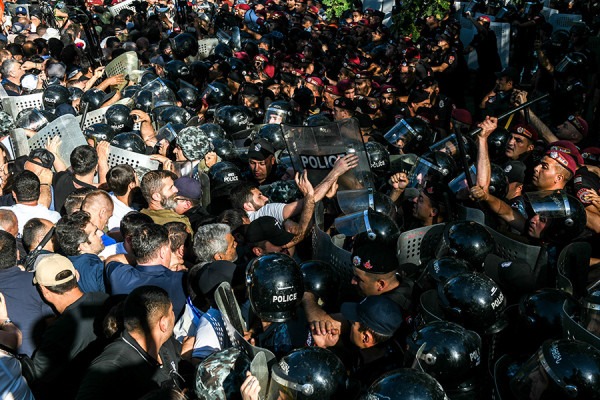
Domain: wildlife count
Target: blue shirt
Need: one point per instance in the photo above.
(123, 278)
(91, 272)
(107, 240)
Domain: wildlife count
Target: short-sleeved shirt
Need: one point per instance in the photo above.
(91, 272)
(64, 184)
(274, 210)
(24, 213)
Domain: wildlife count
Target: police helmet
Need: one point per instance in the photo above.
(467, 240)
(406, 384)
(55, 95)
(129, 141)
(99, 132)
(118, 117)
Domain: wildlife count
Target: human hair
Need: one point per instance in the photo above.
(143, 307)
(70, 232)
(241, 193)
(63, 287)
(94, 198)
(26, 186)
(377, 337)
(132, 221)
(119, 177)
(152, 183)
(75, 199)
(84, 159)
(33, 232)
(178, 234)
(8, 250)
(7, 66)
(209, 240)
(147, 241)
(8, 220)
(233, 217)
(563, 171)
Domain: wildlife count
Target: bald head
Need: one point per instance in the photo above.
(8, 222)
(100, 207)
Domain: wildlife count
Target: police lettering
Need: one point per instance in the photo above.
(230, 178)
(323, 162)
(378, 164)
(286, 298)
(498, 301)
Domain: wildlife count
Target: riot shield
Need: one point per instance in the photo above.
(316, 148)
(572, 267)
(351, 201)
(572, 329)
(402, 162)
(459, 185)
(422, 172)
(234, 323)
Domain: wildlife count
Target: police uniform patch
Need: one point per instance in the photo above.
(450, 59)
(356, 261)
(506, 264)
(257, 147)
(508, 168)
(441, 103)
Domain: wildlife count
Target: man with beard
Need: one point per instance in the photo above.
(159, 190)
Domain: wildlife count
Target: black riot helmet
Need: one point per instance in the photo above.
(279, 112)
(75, 93)
(233, 118)
(177, 69)
(99, 132)
(498, 181)
(129, 141)
(590, 312)
(565, 215)
(317, 120)
(572, 64)
(221, 374)
(216, 94)
(307, 373)
(497, 143)
(147, 78)
(448, 352)
(379, 158)
(184, 45)
(446, 165)
(449, 145)
(34, 119)
(223, 174)
(369, 226)
(560, 369)
(143, 101)
(174, 115)
(321, 280)
(272, 133)
(275, 287)
(467, 240)
(406, 384)
(130, 91)
(412, 135)
(213, 131)
(54, 96)
(222, 51)
(190, 98)
(94, 98)
(225, 149)
(118, 117)
(282, 192)
(443, 268)
(474, 301)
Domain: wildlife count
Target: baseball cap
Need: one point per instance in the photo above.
(513, 275)
(438, 192)
(525, 130)
(375, 258)
(515, 171)
(510, 73)
(21, 10)
(417, 96)
(213, 274)
(269, 229)
(188, 187)
(563, 159)
(49, 267)
(344, 103)
(579, 123)
(260, 149)
(378, 313)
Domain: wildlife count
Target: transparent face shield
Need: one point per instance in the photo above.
(401, 134)
(549, 203)
(282, 387)
(423, 172)
(166, 133)
(448, 145)
(353, 224)
(590, 313)
(33, 120)
(351, 201)
(536, 381)
(459, 185)
(161, 94)
(275, 116)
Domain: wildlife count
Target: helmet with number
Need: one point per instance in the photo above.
(275, 286)
(75, 93)
(498, 182)
(467, 240)
(190, 98)
(94, 98)
(307, 373)
(34, 119)
(540, 315)
(225, 149)
(497, 143)
(142, 100)
(321, 280)
(448, 352)
(129, 141)
(560, 369)
(99, 132)
(233, 118)
(184, 45)
(55, 95)
(317, 120)
(221, 374)
(223, 174)
(565, 215)
(379, 157)
(216, 94)
(272, 133)
(194, 143)
(119, 118)
(369, 226)
(279, 112)
(174, 115)
(213, 131)
(130, 91)
(406, 384)
(177, 69)
(446, 165)
(473, 300)
(412, 135)
(282, 192)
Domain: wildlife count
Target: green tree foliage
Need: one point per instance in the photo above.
(335, 8)
(407, 21)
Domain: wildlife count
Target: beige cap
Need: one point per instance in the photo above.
(49, 267)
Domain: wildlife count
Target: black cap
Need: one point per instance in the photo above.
(510, 73)
(515, 276)
(378, 313)
(213, 274)
(46, 158)
(260, 149)
(250, 89)
(269, 229)
(438, 192)
(417, 96)
(515, 171)
(344, 103)
(375, 258)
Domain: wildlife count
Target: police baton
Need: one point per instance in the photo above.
(461, 144)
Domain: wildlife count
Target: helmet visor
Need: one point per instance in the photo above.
(352, 201)
(282, 387)
(590, 316)
(459, 185)
(33, 120)
(549, 203)
(353, 224)
(275, 116)
(448, 145)
(401, 134)
(533, 381)
(422, 172)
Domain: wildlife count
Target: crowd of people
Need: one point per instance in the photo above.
(281, 161)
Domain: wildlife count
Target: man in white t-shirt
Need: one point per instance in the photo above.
(121, 180)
